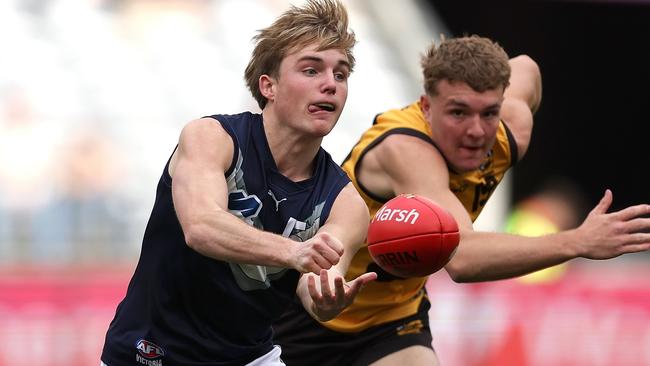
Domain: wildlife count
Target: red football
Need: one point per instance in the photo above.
(411, 236)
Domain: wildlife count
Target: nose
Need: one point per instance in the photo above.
(475, 128)
(329, 84)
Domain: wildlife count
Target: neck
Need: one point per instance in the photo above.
(293, 152)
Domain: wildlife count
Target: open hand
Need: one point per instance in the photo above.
(607, 235)
(328, 302)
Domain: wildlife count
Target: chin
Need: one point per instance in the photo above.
(323, 129)
(466, 167)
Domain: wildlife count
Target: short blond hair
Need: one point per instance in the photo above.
(324, 22)
(477, 61)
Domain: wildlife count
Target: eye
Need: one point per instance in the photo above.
(309, 72)
(491, 114)
(341, 76)
(457, 112)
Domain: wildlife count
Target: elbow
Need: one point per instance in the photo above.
(456, 275)
(527, 68)
(196, 237)
(459, 271)
(527, 65)
(525, 62)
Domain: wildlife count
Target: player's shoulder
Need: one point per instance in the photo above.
(406, 145)
(407, 121)
(204, 131)
(406, 113)
(200, 126)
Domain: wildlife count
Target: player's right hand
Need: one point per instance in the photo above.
(322, 251)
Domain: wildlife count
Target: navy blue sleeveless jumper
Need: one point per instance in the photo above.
(183, 308)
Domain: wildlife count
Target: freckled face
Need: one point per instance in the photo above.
(463, 122)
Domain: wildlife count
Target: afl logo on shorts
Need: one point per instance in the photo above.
(149, 350)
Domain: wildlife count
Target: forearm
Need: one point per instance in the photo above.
(484, 256)
(222, 236)
(348, 221)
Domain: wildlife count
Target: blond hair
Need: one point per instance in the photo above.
(477, 61)
(324, 22)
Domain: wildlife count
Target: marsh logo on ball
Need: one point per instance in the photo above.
(397, 215)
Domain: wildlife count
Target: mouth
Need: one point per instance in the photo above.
(473, 151)
(317, 107)
(471, 148)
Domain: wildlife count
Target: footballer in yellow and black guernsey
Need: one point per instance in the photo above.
(390, 302)
(394, 298)
(471, 124)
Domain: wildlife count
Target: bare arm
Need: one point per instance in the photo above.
(483, 256)
(326, 296)
(200, 195)
(522, 99)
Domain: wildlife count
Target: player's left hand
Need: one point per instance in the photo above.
(328, 302)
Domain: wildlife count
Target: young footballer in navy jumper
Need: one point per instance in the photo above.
(250, 211)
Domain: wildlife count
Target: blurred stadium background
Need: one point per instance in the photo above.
(93, 95)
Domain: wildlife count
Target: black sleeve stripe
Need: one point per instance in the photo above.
(514, 152)
(374, 122)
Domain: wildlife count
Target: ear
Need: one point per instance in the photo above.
(425, 104)
(267, 87)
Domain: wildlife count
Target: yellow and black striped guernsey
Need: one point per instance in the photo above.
(390, 298)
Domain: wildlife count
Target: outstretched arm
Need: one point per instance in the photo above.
(325, 296)
(491, 256)
(487, 256)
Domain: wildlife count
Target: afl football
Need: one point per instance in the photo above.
(412, 236)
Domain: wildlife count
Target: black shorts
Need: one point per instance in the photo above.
(304, 341)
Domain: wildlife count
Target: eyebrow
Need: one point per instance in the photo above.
(460, 103)
(320, 60)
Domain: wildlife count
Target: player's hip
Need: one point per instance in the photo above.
(304, 341)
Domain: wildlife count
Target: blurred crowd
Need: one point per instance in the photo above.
(93, 95)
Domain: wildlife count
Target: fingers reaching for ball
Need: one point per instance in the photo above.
(331, 296)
